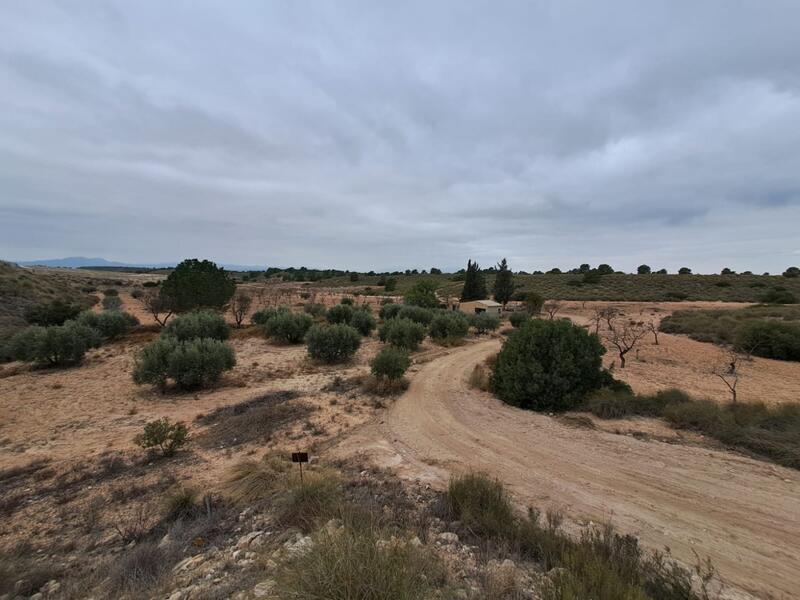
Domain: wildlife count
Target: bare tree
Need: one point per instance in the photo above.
(240, 304)
(596, 319)
(551, 308)
(729, 372)
(624, 335)
(653, 328)
(157, 306)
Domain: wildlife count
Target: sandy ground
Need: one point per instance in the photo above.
(66, 413)
(743, 513)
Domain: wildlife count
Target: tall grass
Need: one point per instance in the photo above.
(599, 564)
(772, 433)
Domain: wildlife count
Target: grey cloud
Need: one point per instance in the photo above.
(380, 136)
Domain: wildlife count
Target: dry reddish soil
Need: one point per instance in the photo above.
(741, 512)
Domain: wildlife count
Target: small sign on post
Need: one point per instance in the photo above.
(300, 458)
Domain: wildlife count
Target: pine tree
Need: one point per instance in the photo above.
(474, 283)
(503, 283)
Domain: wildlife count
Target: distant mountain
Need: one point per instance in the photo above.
(75, 262)
(72, 262)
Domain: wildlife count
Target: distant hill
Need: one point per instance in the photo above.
(78, 262)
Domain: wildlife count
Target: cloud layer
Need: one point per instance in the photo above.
(386, 135)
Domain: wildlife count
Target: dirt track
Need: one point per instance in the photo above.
(743, 513)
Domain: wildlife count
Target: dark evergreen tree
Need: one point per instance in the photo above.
(474, 283)
(197, 284)
(503, 283)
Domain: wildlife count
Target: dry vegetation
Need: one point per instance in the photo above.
(86, 512)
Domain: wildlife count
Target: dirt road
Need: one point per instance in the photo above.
(743, 513)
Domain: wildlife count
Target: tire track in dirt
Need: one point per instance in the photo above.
(743, 513)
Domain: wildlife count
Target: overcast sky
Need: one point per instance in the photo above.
(382, 135)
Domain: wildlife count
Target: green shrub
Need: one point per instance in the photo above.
(339, 314)
(110, 325)
(484, 322)
(112, 303)
(449, 326)
(191, 364)
(56, 312)
(389, 311)
(332, 343)
(517, 319)
(197, 324)
(167, 437)
(777, 296)
(363, 321)
(288, 327)
(390, 363)
(314, 309)
(402, 333)
(422, 294)
(770, 339)
(548, 365)
(390, 285)
(416, 313)
(534, 303)
(58, 345)
(481, 504)
(260, 317)
(347, 301)
(353, 564)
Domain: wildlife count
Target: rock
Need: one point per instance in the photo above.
(333, 526)
(251, 540)
(508, 564)
(299, 547)
(177, 595)
(37, 596)
(187, 564)
(165, 541)
(51, 587)
(447, 537)
(415, 541)
(263, 588)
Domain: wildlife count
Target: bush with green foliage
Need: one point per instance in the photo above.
(402, 333)
(420, 315)
(474, 283)
(339, 314)
(448, 325)
(56, 312)
(548, 365)
(110, 325)
(332, 343)
(314, 309)
(390, 311)
(484, 322)
(517, 319)
(191, 364)
(288, 327)
(260, 317)
(534, 303)
(167, 437)
(112, 303)
(363, 321)
(770, 339)
(390, 363)
(390, 284)
(195, 284)
(423, 294)
(792, 272)
(198, 324)
(57, 345)
(347, 300)
(777, 296)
